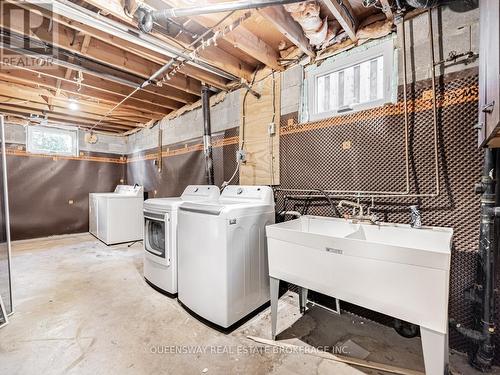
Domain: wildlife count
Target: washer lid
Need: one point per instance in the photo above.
(162, 204)
(191, 193)
(226, 209)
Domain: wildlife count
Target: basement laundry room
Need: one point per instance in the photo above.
(249, 187)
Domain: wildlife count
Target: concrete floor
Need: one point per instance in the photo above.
(84, 308)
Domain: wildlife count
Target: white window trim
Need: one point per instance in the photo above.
(383, 48)
(57, 128)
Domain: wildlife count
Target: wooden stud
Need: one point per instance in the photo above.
(285, 24)
(342, 15)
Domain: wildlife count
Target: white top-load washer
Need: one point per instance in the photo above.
(223, 270)
(160, 232)
(117, 217)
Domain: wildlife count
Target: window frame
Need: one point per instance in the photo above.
(54, 129)
(384, 48)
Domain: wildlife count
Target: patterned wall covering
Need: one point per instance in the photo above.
(313, 156)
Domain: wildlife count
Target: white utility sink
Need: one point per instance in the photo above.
(390, 268)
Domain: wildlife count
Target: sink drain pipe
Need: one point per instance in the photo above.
(207, 134)
(482, 294)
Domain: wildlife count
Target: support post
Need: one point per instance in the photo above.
(207, 134)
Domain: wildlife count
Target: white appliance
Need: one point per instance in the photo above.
(390, 268)
(160, 235)
(222, 265)
(117, 217)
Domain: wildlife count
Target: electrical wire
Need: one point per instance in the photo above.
(225, 183)
(158, 72)
(271, 136)
(243, 114)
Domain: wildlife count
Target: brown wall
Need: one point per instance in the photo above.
(40, 188)
(183, 164)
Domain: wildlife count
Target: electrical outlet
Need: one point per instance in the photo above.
(271, 128)
(241, 156)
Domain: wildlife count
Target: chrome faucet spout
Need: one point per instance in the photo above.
(343, 203)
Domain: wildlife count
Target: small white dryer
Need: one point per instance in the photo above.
(117, 217)
(160, 232)
(223, 270)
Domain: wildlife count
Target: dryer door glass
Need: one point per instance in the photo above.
(155, 237)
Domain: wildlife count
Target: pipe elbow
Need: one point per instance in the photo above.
(145, 21)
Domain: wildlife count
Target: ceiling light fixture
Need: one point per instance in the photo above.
(73, 104)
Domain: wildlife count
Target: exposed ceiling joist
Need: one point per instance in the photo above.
(86, 92)
(166, 90)
(26, 113)
(21, 95)
(62, 37)
(285, 24)
(240, 38)
(386, 8)
(225, 61)
(343, 12)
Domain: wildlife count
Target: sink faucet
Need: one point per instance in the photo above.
(360, 216)
(343, 203)
(416, 219)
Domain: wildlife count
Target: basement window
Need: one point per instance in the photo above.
(52, 141)
(353, 81)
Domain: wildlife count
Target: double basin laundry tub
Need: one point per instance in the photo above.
(393, 269)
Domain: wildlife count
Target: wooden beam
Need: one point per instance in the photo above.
(226, 62)
(46, 82)
(241, 38)
(345, 15)
(285, 24)
(386, 8)
(90, 89)
(62, 37)
(43, 100)
(24, 111)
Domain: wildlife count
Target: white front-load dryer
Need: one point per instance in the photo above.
(223, 269)
(160, 235)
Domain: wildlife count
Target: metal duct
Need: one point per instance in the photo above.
(423, 3)
(146, 18)
(207, 134)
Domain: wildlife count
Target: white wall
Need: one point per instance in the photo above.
(224, 115)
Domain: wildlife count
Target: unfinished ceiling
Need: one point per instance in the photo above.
(94, 55)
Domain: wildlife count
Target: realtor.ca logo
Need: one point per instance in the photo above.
(28, 35)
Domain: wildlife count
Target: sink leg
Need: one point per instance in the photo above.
(435, 349)
(274, 288)
(303, 299)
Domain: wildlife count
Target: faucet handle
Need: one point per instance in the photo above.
(416, 218)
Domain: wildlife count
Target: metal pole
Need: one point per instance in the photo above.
(217, 8)
(207, 134)
(6, 211)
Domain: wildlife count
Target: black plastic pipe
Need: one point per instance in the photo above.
(207, 134)
(483, 357)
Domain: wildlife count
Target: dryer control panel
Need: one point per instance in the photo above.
(261, 194)
(134, 190)
(201, 192)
